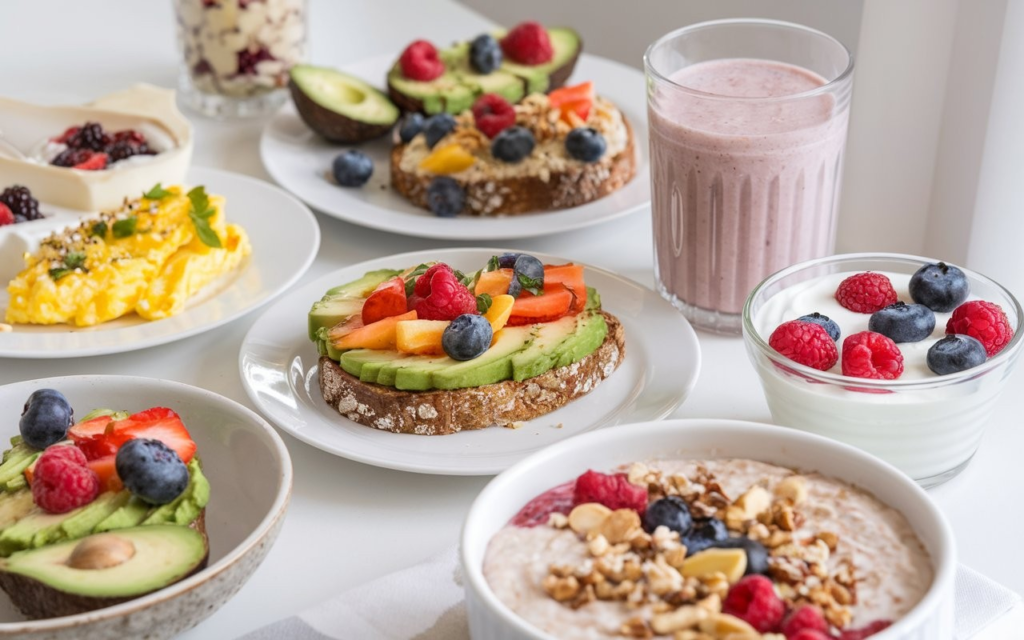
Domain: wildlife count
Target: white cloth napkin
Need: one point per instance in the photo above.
(425, 602)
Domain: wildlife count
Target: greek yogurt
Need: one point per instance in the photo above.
(927, 425)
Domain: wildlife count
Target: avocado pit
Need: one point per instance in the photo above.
(101, 551)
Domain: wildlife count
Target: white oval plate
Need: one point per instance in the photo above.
(285, 237)
(279, 372)
(300, 161)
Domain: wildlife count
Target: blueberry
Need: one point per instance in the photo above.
(585, 144)
(671, 512)
(437, 127)
(46, 418)
(151, 470)
(445, 197)
(940, 287)
(410, 126)
(352, 168)
(485, 54)
(467, 337)
(828, 324)
(513, 144)
(527, 272)
(903, 322)
(757, 554)
(704, 534)
(956, 353)
(508, 260)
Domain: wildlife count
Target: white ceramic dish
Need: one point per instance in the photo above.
(250, 476)
(285, 237)
(300, 161)
(490, 619)
(279, 371)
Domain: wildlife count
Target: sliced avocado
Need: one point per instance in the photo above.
(505, 84)
(355, 360)
(344, 300)
(16, 460)
(590, 333)
(131, 514)
(542, 354)
(493, 366)
(415, 374)
(186, 507)
(340, 107)
(541, 78)
(14, 506)
(593, 300)
(444, 93)
(17, 483)
(161, 556)
(39, 528)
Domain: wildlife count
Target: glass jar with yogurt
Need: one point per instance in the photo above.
(236, 53)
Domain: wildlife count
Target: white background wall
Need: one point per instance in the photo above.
(915, 180)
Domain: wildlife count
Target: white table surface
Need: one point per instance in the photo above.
(349, 523)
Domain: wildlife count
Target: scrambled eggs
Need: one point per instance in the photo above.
(149, 257)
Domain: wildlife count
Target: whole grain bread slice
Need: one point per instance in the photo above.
(441, 412)
(578, 185)
(38, 600)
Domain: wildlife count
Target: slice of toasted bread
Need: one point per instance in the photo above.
(572, 187)
(38, 600)
(440, 412)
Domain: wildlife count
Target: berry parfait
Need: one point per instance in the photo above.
(899, 355)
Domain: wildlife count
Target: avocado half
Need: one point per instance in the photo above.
(70, 578)
(459, 86)
(340, 107)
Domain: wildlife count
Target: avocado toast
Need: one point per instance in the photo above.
(99, 512)
(429, 350)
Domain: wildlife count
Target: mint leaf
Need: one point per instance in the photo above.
(533, 285)
(206, 233)
(483, 302)
(410, 287)
(200, 202)
(126, 227)
(492, 264)
(99, 230)
(74, 260)
(469, 281)
(156, 193)
(59, 273)
(410, 279)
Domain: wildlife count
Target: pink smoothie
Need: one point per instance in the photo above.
(741, 188)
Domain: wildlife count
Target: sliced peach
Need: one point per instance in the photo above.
(107, 473)
(421, 337)
(494, 283)
(501, 309)
(345, 327)
(450, 158)
(379, 335)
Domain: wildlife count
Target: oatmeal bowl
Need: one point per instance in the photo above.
(907, 361)
(706, 530)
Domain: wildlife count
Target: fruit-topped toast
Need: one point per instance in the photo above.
(99, 512)
(429, 350)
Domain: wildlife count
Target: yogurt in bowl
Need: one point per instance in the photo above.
(927, 425)
(817, 533)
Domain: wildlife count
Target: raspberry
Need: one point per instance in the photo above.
(754, 601)
(984, 321)
(809, 634)
(871, 355)
(493, 114)
(419, 62)
(804, 618)
(528, 43)
(613, 491)
(67, 135)
(6, 215)
(865, 632)
(805, 342)
(61, 481)
(866, 292)
(446, 298)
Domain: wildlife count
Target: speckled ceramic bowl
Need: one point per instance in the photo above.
(250, 477)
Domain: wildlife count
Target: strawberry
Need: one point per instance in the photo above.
(95, 162)
(387, 300)
(578, 99)
(102, 437)
(6, 215)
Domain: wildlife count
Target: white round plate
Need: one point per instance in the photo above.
(284, 235)
(300, 161)
(279, 372)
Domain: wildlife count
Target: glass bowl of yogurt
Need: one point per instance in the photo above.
(539, 534)
(927, 425)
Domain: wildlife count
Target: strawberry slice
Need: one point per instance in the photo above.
(578, 99)
(95, 162)
(102, 437)
(387, 300)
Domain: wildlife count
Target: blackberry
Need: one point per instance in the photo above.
(71, 156)
(21, 203)
(89, 136)
(123, 149)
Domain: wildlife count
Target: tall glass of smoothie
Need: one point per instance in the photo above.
(747, 128)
